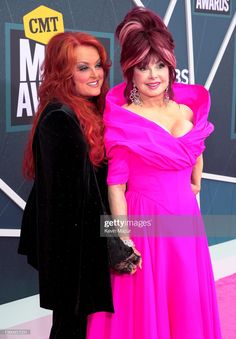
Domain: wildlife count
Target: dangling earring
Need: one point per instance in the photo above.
(135, 96)
(166, 95)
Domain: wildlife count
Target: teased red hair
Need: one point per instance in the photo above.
(58, 85)
(143, 35)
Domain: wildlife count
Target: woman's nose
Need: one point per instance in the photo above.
(94, 73)
(153, 72)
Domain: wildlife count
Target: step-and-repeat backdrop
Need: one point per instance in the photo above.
(204, 31)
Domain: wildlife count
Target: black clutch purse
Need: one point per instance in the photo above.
(121, 257)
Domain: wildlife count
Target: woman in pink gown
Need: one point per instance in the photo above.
(154, 148)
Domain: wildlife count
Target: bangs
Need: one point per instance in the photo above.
(146, 60)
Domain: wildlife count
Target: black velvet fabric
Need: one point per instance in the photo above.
(60, 231)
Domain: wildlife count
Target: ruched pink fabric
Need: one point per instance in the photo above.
(173, 296)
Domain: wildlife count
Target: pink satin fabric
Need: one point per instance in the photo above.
(173, 296)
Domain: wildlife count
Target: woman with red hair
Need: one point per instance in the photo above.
(155, 133)
(61, 223)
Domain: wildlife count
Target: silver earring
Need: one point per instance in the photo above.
(135, 96)
(166, 95)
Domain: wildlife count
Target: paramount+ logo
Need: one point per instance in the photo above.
(219, 7)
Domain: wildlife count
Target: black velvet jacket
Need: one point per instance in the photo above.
(60, 231)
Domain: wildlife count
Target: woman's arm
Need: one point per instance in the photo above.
(197, 175)
(118, 207)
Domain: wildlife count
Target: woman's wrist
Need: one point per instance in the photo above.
(196, 188)
(128, 242)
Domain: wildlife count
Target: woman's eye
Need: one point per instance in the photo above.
(161, 65)
(82, 68)
(142, 68)
(99, 65)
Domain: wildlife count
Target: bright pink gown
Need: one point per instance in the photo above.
(173, 296)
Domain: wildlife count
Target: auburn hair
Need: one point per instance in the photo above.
(143, 35)
(58, 86)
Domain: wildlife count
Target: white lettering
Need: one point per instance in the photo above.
(184, 74)
(27, 63)
(34, 95)
(24, 101)
(213, 5)
(198, 4)
(226, 6)
(217, 4)
(178, 79)
(205, 4)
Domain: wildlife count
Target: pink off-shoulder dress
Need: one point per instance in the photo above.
(173, 296)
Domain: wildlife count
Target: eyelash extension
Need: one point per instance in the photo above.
(82, 68)
(142, 68)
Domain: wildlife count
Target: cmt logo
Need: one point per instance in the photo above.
(24, 58)
(42, 23)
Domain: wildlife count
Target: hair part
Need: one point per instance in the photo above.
(58, 86)
(142, 34)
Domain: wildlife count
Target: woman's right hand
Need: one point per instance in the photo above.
(133, 261)
(136, 258)
(140, 260)
(129, 265)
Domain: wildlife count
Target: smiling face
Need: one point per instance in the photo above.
(151, 79)
(88, 74)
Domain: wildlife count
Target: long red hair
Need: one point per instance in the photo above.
(58, 86)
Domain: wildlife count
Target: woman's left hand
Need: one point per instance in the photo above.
(195, 188)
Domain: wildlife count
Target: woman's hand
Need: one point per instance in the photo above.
(118, 206)
(130, 243)
(139, 264)
(196, 175)
(140, 260)
(195, 188)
